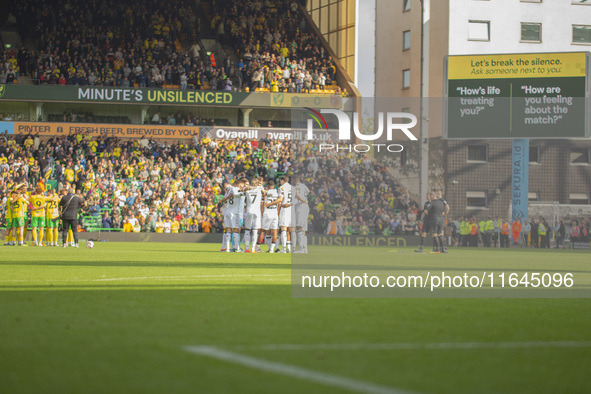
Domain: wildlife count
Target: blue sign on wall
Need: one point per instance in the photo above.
(7, 126)
(520, 179)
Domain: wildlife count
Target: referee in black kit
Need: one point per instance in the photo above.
(69, 205)
(437, 211)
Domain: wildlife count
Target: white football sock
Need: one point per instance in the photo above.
(227, 241)
(247, 239)
(236, 238)
(300, 238)
(255, 238)
(283, 239)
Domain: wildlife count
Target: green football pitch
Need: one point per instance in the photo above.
(185, 318)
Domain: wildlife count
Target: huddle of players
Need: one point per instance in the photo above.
(433, 217)
(262, 212)
(44, 216)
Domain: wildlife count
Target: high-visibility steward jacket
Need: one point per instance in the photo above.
(482, 225)
(516, 226)
(473, 229)
(490, 225)
(541, 229)
(505, 228)
(464, 228)
(332, 228)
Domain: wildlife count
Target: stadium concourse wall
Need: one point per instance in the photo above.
(313, 239)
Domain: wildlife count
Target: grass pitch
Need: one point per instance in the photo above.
(117, 319)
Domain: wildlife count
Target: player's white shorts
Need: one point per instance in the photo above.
(231, 220)
(270, 222)
(285, 218)
(252, 221)
(302, 217)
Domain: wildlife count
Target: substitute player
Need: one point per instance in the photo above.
(302, 210)
(270, 214)
(38, 206)
(285, 218)
(52, 217)
(254, 213)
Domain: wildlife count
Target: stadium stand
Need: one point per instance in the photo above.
(155, 44)
(148, 180)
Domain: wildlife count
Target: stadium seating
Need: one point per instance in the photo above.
(152, 44)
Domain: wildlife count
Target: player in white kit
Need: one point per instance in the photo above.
(285, 216)
(254, 213)
(302, 210)
(232, 214)
(227, 221)
(270, 214)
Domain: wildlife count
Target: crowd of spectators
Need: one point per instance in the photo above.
(107, 43)
(15, 117)
(136, 184)
(84, 116)
(179, 118)
(9, 68)
(145, 180)
(141, 179)
(353, 194)
(276, 49)
(123, 43)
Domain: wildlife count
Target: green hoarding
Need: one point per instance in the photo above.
(88, 94)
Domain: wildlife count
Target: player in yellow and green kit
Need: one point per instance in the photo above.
(8, 236)
(38, 216)
(27, 195)
(19, 203)
(52, 217)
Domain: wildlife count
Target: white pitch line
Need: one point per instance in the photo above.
(145, 278)
(189, 277)
(293, 371)
(418, 346)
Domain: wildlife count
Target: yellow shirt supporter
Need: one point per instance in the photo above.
(37, 200)
(69, 173)
(159, 227)
(174, 227)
